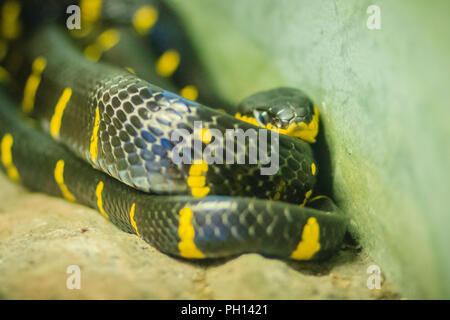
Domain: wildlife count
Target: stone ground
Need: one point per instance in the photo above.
(41, 236)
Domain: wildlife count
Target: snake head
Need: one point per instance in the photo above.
(286, 110)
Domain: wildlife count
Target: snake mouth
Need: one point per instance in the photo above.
(305, 131)
(302, 130)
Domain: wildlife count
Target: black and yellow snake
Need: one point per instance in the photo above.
(106, 141)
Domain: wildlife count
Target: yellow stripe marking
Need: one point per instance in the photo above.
(309, 243)
(306, 132)
(200, 192)
(7, 159)
(93, 148)
(105, 41)
(59, 178)
(198, 167)
(205, 135)
(247, 119)
(307, 196)
(186, 232)
(318, 198)
(189, 92)
(197, 178)
(98, 193)
(168, 63)
(108, 39)
(313, 168)
(90, 10)
(133, 222)
(144, 18)
(55, 122)
(93, 52)
(196, 181)
(10, 23)
(130, 70)
(32, 84)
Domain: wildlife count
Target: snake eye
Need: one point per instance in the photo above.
(262, 117)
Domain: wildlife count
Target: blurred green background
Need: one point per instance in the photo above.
(383, 96)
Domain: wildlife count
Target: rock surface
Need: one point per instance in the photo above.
(41, 236)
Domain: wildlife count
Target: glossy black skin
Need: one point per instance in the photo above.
(157, 217)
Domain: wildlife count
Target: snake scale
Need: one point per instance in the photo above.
(105, 140)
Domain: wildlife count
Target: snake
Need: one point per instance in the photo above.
(104, 139)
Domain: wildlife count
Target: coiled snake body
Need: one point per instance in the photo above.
(115, 154)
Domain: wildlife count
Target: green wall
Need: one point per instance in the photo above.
(383, 96)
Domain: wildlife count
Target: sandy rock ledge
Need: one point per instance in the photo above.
(41, 236)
